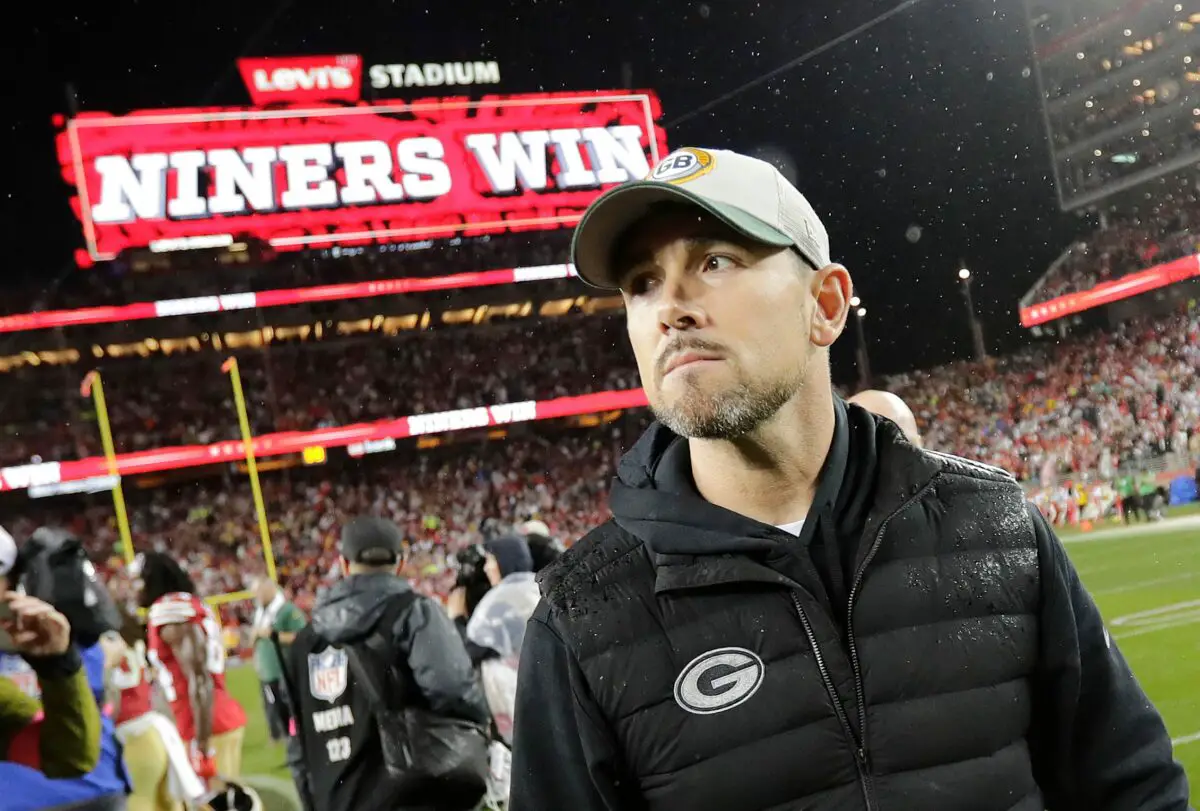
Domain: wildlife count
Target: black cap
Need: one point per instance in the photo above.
(372, 540)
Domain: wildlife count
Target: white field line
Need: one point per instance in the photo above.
(1183, 740)
(1165, 617)
(1139, 584)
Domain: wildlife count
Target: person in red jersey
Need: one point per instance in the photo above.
(156, 758)
(184, 645)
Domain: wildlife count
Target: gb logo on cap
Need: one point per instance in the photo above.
(683, 165)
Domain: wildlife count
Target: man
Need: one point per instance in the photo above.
(276, 621)
(793, 607)
(506, 555)
(184, 645)
(889, 406)
(68, 739)
(372, 609)
(1131, 502)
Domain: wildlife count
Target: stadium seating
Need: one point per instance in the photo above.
(1077, 407)
(1168, 230)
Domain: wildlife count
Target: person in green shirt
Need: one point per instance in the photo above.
(1131, 502)
(276, 621)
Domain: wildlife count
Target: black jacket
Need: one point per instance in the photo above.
(341, 745)
(975, 674)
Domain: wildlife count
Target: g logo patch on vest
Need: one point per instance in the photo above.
(327, 674)
(719, 680)
(683, 165)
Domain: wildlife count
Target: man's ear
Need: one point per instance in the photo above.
(832, 289)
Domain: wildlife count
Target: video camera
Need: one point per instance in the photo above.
(470, 563)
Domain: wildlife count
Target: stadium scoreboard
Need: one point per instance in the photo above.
(315, 166)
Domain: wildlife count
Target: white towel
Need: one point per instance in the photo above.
(264, 617)
(183, 782)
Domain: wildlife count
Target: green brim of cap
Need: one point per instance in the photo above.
(617, 210)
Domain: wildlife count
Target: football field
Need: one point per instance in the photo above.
(1146, 579)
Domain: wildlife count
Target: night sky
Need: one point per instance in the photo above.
(931, 119)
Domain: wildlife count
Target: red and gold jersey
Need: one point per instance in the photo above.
(187, 609)
(132, 678)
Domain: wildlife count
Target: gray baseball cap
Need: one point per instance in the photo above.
(747, 194)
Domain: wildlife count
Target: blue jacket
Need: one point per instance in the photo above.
(27, 789)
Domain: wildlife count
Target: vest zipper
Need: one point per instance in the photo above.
(859, 690)
(860, 756)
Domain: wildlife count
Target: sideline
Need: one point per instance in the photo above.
(1118, 533)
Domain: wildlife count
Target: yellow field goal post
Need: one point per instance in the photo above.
(93, 387)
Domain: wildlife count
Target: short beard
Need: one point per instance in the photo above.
(728, 414)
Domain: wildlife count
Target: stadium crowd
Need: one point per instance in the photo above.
(1019, 412)
(1127, 245)
(188, 400)
(1089, 405)
(1071, 409)
(439, 498)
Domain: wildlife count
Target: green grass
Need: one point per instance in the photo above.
(259, 755)
(1146, 581)
(1130, 571)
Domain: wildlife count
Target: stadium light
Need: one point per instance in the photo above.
(862, 312)
(855, 301)
(964, 276)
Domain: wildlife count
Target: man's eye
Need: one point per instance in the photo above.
(718, 262)
(639, 284)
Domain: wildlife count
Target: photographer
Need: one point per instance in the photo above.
(59, 736)
(480, 569)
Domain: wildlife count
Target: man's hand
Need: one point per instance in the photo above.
(263, 632)
(35, 627)
(456, 603)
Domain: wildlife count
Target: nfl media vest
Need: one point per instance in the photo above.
(729, 679)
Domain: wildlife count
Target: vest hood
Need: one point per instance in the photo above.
(654, 496)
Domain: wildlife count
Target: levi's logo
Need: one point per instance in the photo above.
(302, 79)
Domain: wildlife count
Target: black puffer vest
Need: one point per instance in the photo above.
(729, 684)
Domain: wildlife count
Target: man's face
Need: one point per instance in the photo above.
(723, 330)
(265, 591)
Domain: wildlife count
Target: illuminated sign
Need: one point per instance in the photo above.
(1133, 284)
(194, 305)
(302, 79)
(433, 74)
(334, 175)
(358, 439)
